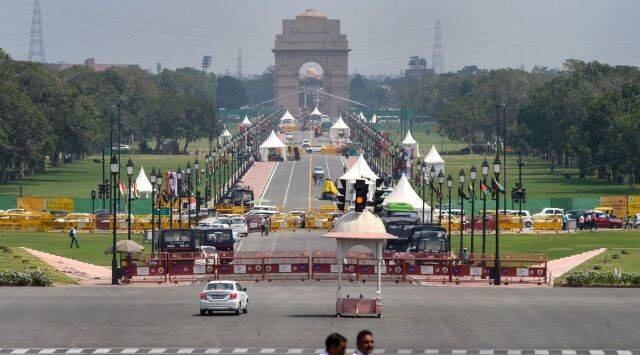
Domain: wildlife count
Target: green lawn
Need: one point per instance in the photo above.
(609, 261)
(92, 245)
(79, 178)
(18, 259)
(553, 245)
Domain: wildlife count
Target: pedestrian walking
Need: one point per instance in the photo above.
(627, 224)
(335, 344)
(588, 221)
(581, 222)
(73, 233)
(267, 225)
(263, 225)
(364, 343)
(593, 220)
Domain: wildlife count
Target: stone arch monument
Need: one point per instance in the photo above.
(311, 37)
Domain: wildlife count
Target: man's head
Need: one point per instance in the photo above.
(364, 342)
(335, 344)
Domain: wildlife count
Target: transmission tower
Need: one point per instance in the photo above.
(36, 41)
(239, 73)
(437, 56)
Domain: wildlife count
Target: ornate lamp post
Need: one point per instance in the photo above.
(129, 175)
(432, 176)
(114, 168)
(196, 166)
(216, 179)
(423, 180)
(473, 175)
(461, 177)
(496, 172)
(159, 182)
(485, 171)
(449, 186)
(440, 182)
(172, 197)
(153, 179)
(188, 173)
(207, 183)
(179, 176)
(93, 201)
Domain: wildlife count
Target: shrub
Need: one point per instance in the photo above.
(608, 278)
(18, 278)
(40, 278)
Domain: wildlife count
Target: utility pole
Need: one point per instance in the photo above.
(36, 39)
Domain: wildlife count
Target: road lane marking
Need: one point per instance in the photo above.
(286, 192)
(486, 352)
(47, 351)
(267, 351)
(273, 172)
(295, 351)
(102, 351)
(129, 351)
(240, 350)
(326, 162)
(212, 351)
(514, 352)
(185, 351)
(596, 352)
(432, 351)
(541, 352)
(568, 352)
(157, 350)
(20, 351)
(74, 351)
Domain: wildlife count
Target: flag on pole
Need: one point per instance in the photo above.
(485, 189)
(462, 193)
(123, 188)
(496, 185)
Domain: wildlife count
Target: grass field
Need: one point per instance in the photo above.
(93, 245)
(79, 178)
(610, 260)
(18, 259)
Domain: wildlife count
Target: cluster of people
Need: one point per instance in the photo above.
(587, 221)
(265, 226)
(336, 344)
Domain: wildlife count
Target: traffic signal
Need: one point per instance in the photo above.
(515, 194)
(361, 190)
(100, 191)
(377, 199)
(342, 194)
(523, 195)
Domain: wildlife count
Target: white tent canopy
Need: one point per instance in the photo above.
(226, 133)
(434, 159)
(360, 170)
(246, 121)
(362, 117)
(316, 112)
(142, 183)
(403, 192)
(374, 118)
(411, 143)
(287, 118)
(272, 142)
(339, 129)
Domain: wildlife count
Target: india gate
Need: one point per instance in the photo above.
(311, 53)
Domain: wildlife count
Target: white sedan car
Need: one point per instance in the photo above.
(224, 296)
(239, 226)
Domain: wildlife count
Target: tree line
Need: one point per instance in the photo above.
(50, 116)
(585, 116)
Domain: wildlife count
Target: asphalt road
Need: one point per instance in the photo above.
(287, 241)
(301, 315)
(291, 184)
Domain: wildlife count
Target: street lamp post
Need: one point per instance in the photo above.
(153, 180)
(159, 182)
(114, 167)
(188, 171)
(496, 171)
(473, 175)
(129, 175)
(440, 182)
(93, 201)
(432, 176)
(485, 172)
(171, 198)
(461, 176)
(207, 182)
(179, 177)
(449, 186)
(423, 170)
(196, 166)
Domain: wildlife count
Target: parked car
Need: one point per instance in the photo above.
(314, 149)
(224, 296)
(603, 220)
(305, 143)
(122, 148)
(526, 217)
(264, 209)
(550, 212)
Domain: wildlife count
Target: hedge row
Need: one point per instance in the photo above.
(14, 277)
(608, 278)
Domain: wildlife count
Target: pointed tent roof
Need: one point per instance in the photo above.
(340, 124)
(273, 142)
(360, 170)
(142, 183)
(433, 157)
(403, 192)
(246, 121)
(287, 115)
(408, 139)
(316, 112)
(362, 117)
(374, 118)
(226, 133)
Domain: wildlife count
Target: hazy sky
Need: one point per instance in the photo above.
(382, 33)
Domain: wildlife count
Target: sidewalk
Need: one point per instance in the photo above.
(85, 273)
(257, 176)
(559, 267)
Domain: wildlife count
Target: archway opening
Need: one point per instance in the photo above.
(311, 76)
